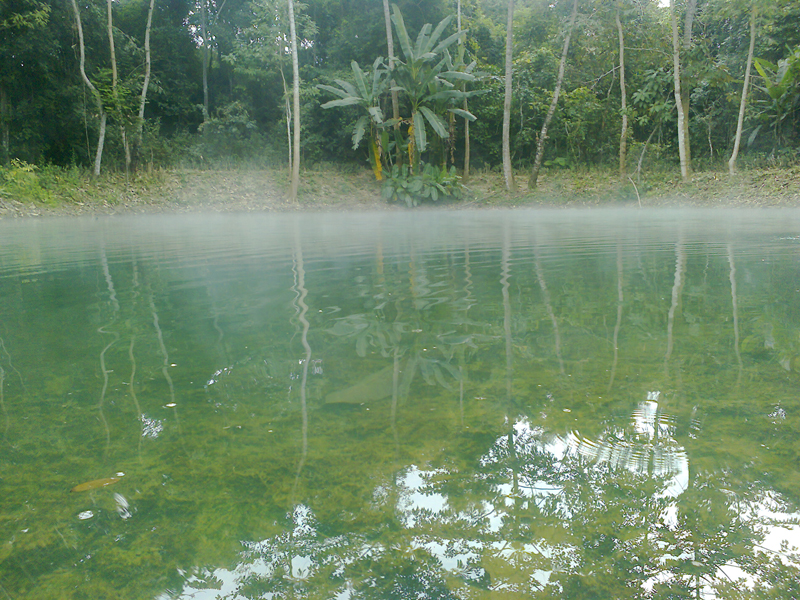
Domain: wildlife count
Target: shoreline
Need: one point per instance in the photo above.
(331, 189)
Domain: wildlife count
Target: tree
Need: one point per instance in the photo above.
(508, 174)
(146, 81)
(204, 53)
(683, 147)
(537, 163)
(295, 183)
(387, 17)
(368, 98)
(425, 82)
(466, 104)
(623, 136)
(103, 115)
(29, 16)
(745, 88)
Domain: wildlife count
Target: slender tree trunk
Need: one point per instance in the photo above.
(537, 163)
(691, 10)
(676, 62)
(102, 135)
(288, 104)
(110, 25)
(387, 18)
(146, 82)
(623, 138)
(101, 139)
(466, 107)
(745, 87)
(508, 175)
(204, 50)
(117, 109)
(295, 107)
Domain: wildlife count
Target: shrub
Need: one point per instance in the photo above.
(19, 181)
(430, 185)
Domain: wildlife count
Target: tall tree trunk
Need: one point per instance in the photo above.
(676, 62)
(295, 107)
(146, 82)
(288, 106)
(508, 175)
(102, 135)
(623, 137)
(745, 87)
(537, 163)
(691, 10)
(112, 50)
(204, 49)
(387, 18)
(117, 110)
(465, 174)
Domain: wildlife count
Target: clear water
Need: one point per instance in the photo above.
(560, 404)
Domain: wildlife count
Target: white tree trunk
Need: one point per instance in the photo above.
(537, 163)
(204, 49)
(146, 82)
(82, 49)
(387, 17)
(676, 62)
(508, 175)
(295, 107)
(101, 138)
(688, 23)
(466, 107)
(623, 138)
(746, 86)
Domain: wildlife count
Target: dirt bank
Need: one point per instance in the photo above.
(334, 189)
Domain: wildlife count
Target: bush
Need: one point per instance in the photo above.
(19, 181)
(431, 185)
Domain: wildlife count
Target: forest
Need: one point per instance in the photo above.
(421, 93)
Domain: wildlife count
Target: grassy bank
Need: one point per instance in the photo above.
(29, 191)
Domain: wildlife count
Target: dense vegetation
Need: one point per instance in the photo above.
(208, 84)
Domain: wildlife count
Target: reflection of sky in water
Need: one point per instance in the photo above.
(412, 500)
(646, 447)
(650, 450)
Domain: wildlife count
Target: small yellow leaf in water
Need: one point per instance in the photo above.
(95, 484)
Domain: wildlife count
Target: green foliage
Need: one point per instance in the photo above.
(19, 181)
(781, 83)
(229, 134)
(431, 82)
(362, 95)
(429, 185)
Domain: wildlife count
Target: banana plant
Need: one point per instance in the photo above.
(368, 98)
(425, 79)
(782, 85)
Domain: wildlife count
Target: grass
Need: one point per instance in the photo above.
(26, 190)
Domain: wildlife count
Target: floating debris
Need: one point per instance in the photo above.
(95, 484)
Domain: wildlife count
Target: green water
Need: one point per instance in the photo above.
(401, 405)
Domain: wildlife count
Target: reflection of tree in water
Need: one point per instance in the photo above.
(537, 515)
(461, 503)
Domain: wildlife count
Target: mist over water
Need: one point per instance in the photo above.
(426, 404)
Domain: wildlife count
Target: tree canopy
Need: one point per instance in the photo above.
(221, 74)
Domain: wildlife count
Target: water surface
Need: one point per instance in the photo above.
(567, 404)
